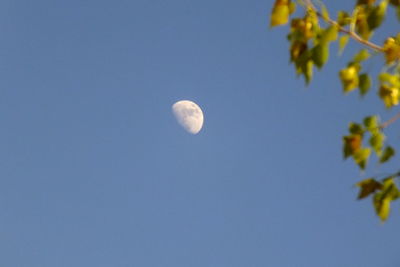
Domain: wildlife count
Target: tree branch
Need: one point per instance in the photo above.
(352, 34)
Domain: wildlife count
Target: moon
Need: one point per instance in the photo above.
(189, 115)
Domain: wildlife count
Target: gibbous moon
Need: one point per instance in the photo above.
(188, 115)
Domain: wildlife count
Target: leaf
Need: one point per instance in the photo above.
(364, 83)
(371, 123)
(304, 65)
(389, 89)
(280, 13)
(330, 34)
(368, 187)
(360, 20)
(388, 153)
(297, 49)
(308, 71)
(362, 55)
(361, 157)
(382, 199)
(343, 18)
(377, 15)
(382, 207)
(390, 189)
(376, 141)
(391, 49)
(355, 128)
(389, 95)
(351, 144)
(343, 40)
(292, 7)
(391, 79)
(320, 54)
(349, 78)
(324, 11)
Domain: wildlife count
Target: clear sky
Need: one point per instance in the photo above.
(95, 171)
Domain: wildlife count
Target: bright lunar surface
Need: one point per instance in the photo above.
(189, 115)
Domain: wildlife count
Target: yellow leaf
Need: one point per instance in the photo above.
(382, 208)
(391, 48)
(349, 78)
(330, 34)
(280, 13)
(361, 157)
(389, 95)
(382, 199)
(343, 40)
(292, 8)
(324, 11)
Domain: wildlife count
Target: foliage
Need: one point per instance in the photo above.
(310, 36)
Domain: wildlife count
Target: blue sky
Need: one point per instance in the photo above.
(95, 171)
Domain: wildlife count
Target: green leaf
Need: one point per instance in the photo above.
(367, 187)
(382, 207)
(351, 144)
(362, 55)
(343, 18)
(371, 123)
(390, 189)
(320, 54)
(364, 83)
(308, 71)
(347, 152)
(343, 40)
(324, 11)
(387, 154)
(355, 128)
(377, 15)
(359, 20)
(376, 141)
(361, 157)
(304, 65)
(330, 34)
(382, 199)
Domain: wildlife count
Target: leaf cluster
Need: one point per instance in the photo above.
(383, 193)
(310, 37)
(365, 138)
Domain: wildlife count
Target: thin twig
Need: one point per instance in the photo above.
(352, 34)
(390, 121)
